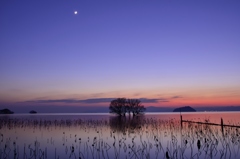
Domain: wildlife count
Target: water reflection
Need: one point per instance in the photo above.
(128, 124)
(115, 137)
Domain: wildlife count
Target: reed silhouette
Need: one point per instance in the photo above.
(116, 137)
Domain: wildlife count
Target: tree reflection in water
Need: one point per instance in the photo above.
(127, 124)
(115, 137)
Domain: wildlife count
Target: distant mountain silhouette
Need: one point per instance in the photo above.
(6, 111)
(184, 109)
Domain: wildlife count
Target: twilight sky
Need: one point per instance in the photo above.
(169, 53)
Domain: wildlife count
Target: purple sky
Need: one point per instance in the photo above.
(123, 48)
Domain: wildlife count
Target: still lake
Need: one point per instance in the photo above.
(99, 135)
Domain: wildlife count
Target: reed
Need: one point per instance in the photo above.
(138, 138)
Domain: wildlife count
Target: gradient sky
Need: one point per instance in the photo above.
(171, 52)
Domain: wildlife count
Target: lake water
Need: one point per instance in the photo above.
(153, 135)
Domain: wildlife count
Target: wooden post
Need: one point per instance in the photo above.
(222, 126)
(181, 120)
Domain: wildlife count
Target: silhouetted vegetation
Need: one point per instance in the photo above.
(121, 106)
(139, 137)
(118, 106)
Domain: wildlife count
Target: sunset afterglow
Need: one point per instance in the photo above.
(168, 54)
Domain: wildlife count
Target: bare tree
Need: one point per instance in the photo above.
(122, 105)
(118, 106)
(130, 105)
(135, 106)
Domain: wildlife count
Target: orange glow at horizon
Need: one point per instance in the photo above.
(164, 98)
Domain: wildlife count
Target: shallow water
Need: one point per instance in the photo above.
(153, 135)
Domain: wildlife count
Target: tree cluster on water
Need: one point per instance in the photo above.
(121, 106)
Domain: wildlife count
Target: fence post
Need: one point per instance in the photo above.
(181, 120)
(222, 126)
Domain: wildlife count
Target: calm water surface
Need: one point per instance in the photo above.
(153, 135)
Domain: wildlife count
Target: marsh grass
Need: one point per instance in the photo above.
(125, 137)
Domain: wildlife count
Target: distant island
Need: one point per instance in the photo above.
(184, 109)
(33, 112)
(6, 111)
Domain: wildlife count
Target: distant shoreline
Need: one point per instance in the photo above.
(105, 109)
(101, 113)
